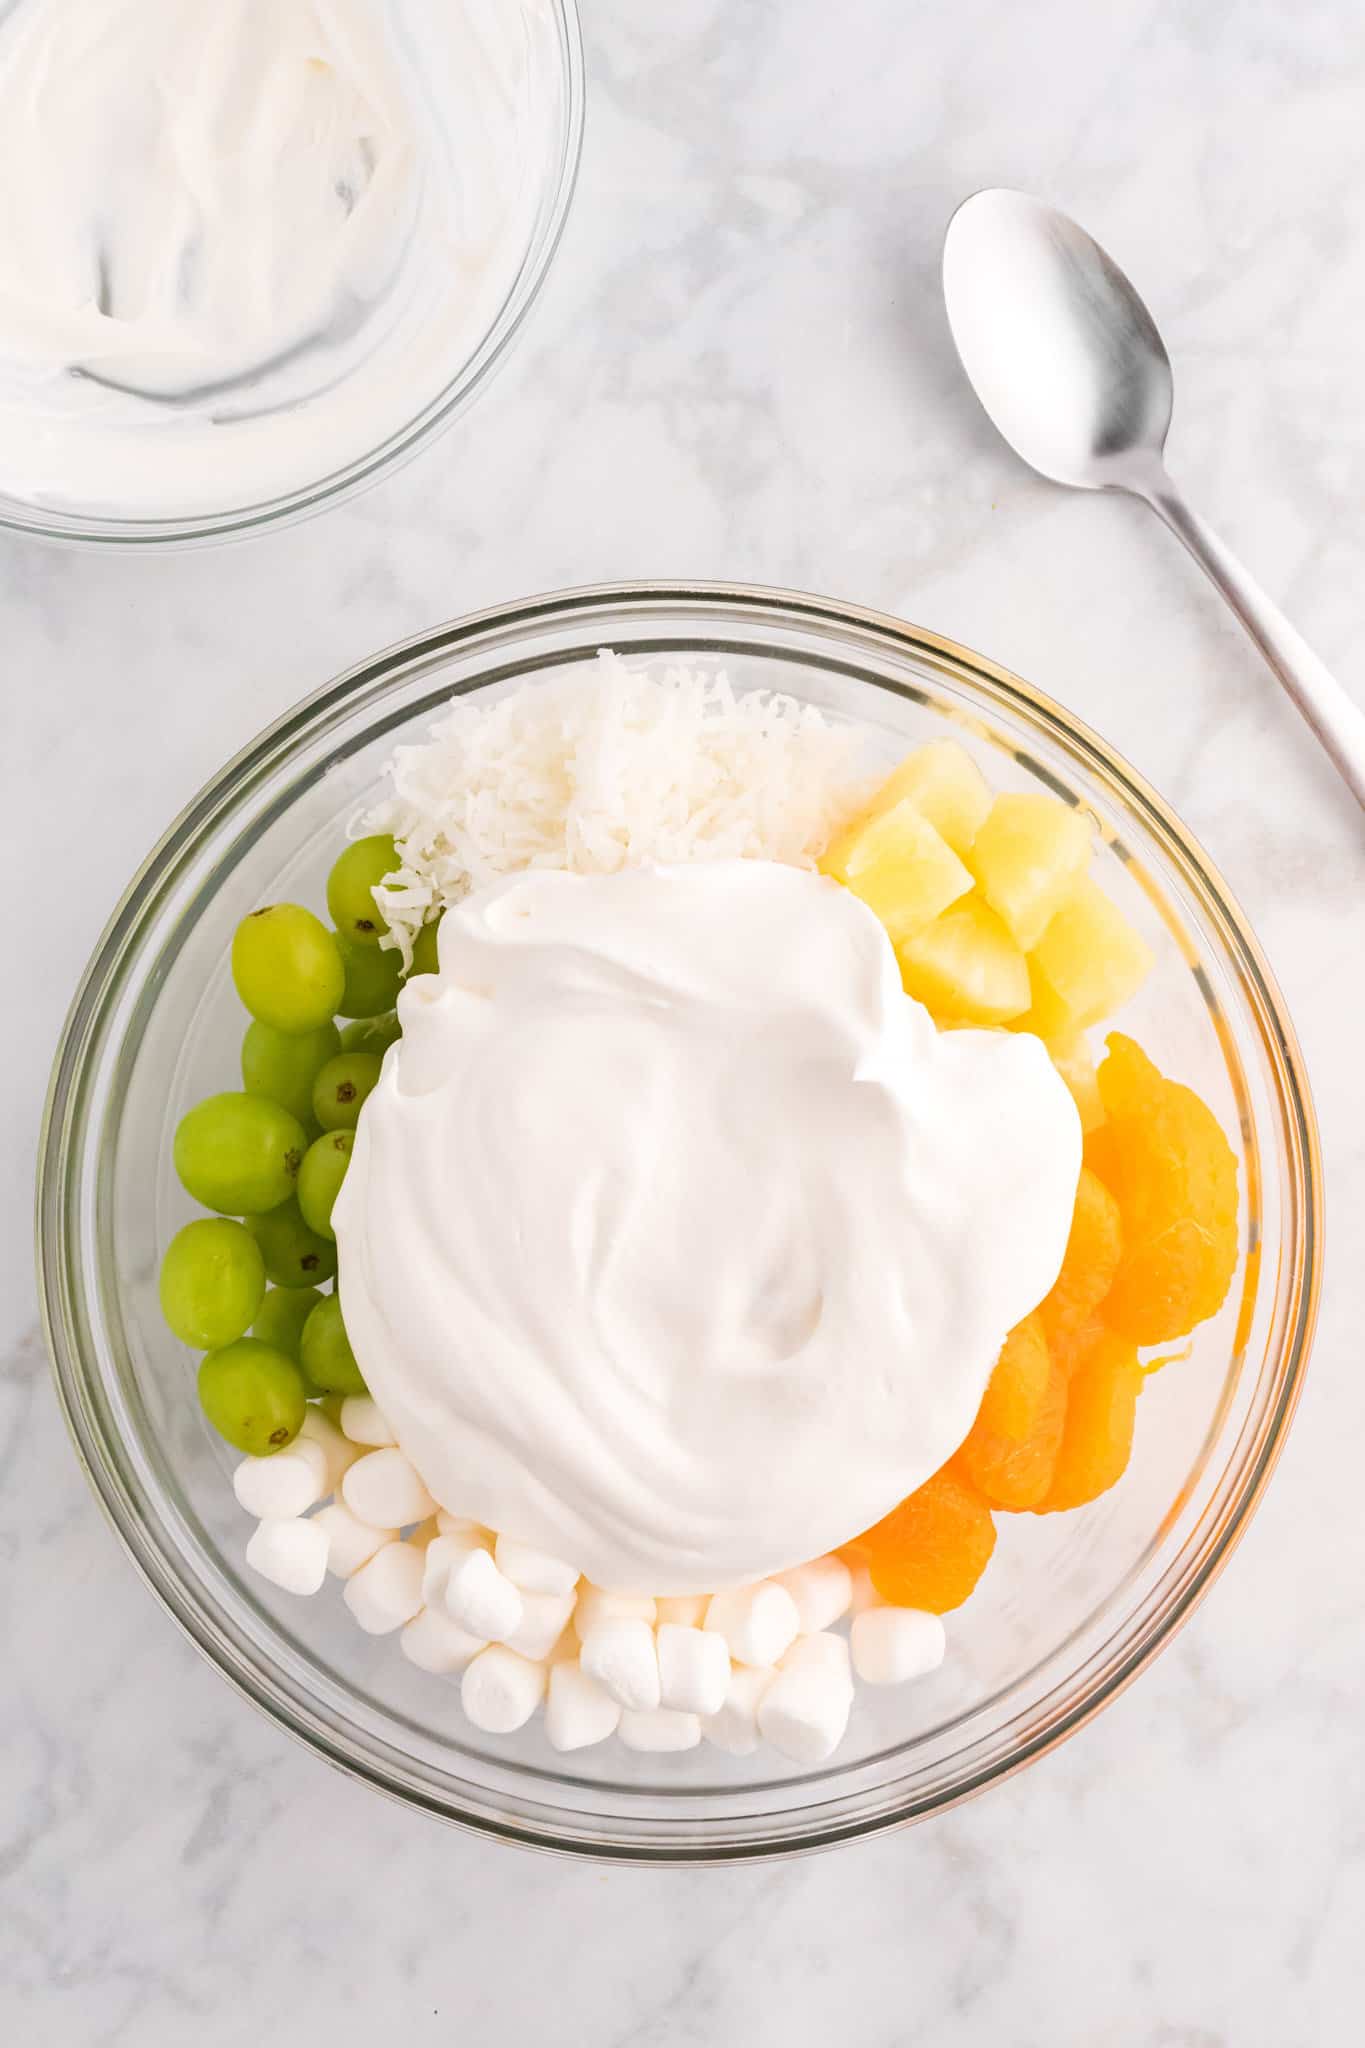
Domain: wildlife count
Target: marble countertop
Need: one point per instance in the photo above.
(740, 369)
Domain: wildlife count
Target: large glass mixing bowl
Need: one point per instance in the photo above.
(1073, 1605)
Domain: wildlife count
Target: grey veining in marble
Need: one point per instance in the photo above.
(740, 369)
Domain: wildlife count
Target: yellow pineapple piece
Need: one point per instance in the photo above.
(899, 865)
(945, 785)
(1047, 1016)
(965, 968)
(1027, 858)
(1075, 1063)
(1090, 957)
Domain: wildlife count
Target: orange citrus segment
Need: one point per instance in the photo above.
(930, 1551)
(1015, 1472)
(1089, 1263)
(1164, 1158)
(1097, 1437)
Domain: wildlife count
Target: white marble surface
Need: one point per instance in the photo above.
(740, 369)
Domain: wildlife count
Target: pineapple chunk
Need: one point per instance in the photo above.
(899, 865)
(1075, 1063)
(965, 968)
(1091, 957)
(1028, 857)
(1047, 1016)
(945, 786)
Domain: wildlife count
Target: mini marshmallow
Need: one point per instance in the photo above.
(384, 1490)
(735, 1727)
(620, 1654)
(578, 1711)
(758, 1622)
(805, 1710)
(535, 1571)
(694, 1669)
(500, 1690)
(479, 1598)
(659, 1729)
(433, 1642)
(387, 1591)
(441, 1553)
(594, 1605)
(319, 1428)
(290, 1553)
(822, 1591)
(687, 1610)
(893, 1644)
(363, 1422)
(544, 1617)
(285, 1484)
(350, 1542)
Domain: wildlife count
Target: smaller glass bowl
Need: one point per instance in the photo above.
(553, 155)
(1072, 1607)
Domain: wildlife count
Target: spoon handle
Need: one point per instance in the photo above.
(1338, 722)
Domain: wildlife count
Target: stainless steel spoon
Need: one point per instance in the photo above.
(1066, 360)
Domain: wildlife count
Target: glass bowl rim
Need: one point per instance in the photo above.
(768, 608)
(236, 522)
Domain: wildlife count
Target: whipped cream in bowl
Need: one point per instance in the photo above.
(677, 1241)
(253, 253)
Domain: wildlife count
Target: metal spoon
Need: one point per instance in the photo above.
(1066, 360)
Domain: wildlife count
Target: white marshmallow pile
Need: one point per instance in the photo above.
(521, 1630)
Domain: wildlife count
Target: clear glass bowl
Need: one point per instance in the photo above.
(552, 154)
(1073, 1605)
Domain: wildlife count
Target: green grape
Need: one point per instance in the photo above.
(320, 1177)
(371, 1034)
(294, 1256)
(212, 1280)
(373, 977)
(281, 1065)
(282, 1315)
(355, 874)
(253, 1395)
(287, 968)
(239, 1153)
(341, 1087)
(424, 959)
(325, 1353)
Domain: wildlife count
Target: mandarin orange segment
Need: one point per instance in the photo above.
(1018, 1382)
(1097, 1436)
(931, 1550)
(1015, 1472)
(1163, 1156)
(1091, 1260)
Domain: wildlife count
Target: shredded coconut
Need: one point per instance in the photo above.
(630, 766)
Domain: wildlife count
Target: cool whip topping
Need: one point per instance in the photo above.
(243, 243)
(676, 1240)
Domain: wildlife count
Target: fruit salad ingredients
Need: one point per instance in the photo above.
(294, 1255)
(371, 980)
(931, 1550)
(321, 1173)
(1163, 1156)
(945, 786)
(212, 1281)
(287, 968)
(1028, 857)
(1091, 1261)
(253, 1395)
(372, 1034)
(325, 1353)
(965, 968)
(1097, 1437)
(356, 874)
(340, 1089)
(899, 866)
(1090, 957)
(1012, 1446)
(282, 1065)
(239, 1153)
(282, 1315)
(587, 1317)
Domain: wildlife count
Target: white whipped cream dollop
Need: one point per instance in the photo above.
(676, 1240)
(243, 242)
